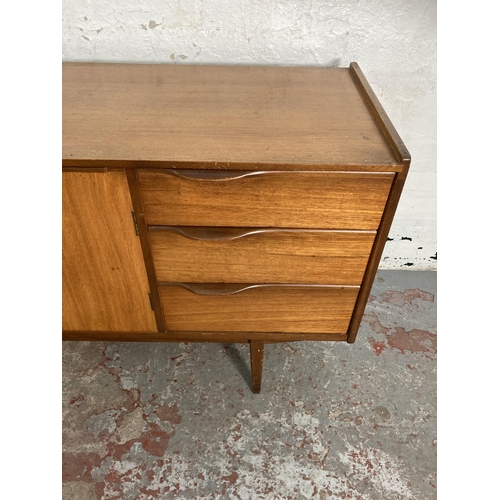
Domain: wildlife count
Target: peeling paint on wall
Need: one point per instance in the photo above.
(415, 249)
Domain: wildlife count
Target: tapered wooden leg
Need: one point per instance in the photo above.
(256, 361)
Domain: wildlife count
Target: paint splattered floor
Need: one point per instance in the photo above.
(147, 421)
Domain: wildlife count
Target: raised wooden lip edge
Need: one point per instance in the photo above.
(201, 233)
(187, 336)
(383, 120)
(73, 164)
(223, 289)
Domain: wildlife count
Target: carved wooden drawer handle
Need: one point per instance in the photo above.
(233, 233)
(233, 288)
(212, 175)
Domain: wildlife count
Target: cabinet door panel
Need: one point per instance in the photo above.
(105, 286)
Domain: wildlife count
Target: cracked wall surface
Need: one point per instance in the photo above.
(394, 42)
(143, 421)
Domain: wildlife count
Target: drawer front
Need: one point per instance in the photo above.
(258, 308)
(317, 200)
(221, 255)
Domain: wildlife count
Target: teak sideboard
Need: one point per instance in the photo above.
(223, 203)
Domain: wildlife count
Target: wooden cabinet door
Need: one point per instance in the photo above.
(105, 286)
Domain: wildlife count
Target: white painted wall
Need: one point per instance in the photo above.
(393, 41)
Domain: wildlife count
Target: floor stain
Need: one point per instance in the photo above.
(143, 421)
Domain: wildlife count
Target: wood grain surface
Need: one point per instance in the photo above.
(329, 200)
(105, 287)
(292, 309)
(273, 183)
(220, 116)
(260, 255)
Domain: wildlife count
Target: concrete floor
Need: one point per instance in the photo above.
(147, 421)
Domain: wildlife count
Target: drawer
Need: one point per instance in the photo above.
(258, 308)
(235, 255)
(317, 200)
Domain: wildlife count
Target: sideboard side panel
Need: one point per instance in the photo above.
(378, 248)
(105, 286)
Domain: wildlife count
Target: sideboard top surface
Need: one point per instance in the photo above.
(186, 116)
